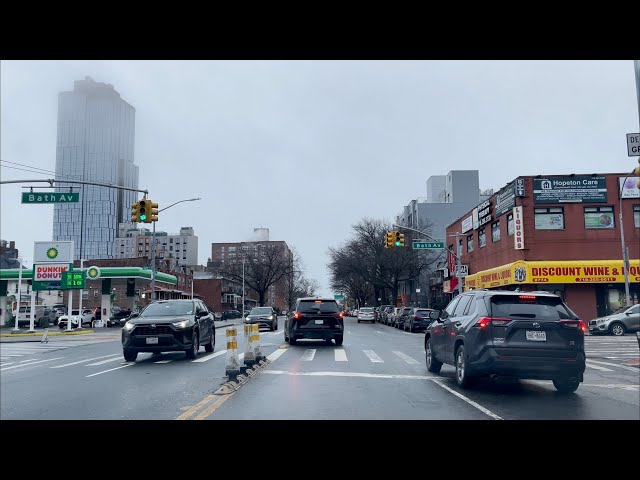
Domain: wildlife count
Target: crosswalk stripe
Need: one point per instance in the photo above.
(110, 370)
(165, 361)
(85, 360)
(406, 358)
(273, 356)
(6, 363)
(209, 357)
(308, 355)
(340, 355)
(373, 356)
(598, 367)
(29, 364)
(104, 361)
(614, 365)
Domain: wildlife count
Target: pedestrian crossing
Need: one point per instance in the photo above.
(623, 349)
(10, 352)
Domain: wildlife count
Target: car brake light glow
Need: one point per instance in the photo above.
(484, 322)
(296, 315)
(579, 324)
(415, 317)
(341, 314)
(317, 301)
(527, 296)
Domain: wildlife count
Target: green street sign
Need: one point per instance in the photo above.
(51, 197)
(338, 297)
(427, 245)
(72, 280)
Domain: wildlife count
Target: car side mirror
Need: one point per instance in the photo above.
(627, 313)
(443, 314)
(134, 315)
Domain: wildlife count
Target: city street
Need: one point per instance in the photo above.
(378, 373)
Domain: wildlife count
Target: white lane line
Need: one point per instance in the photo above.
(209, 357)
(85, 360)
(373, 356)
(406, 358)
(29, 364)
(352, 374)
(14, 355)
(165, 361)
(617, 353)
(110, 370)
(273, 356)
(6, 363)
(104, 361)
(277, 332)
(614, 365)
(308, 355)
(597, 367)
(486, 411)
(383, 333)
(340, 355)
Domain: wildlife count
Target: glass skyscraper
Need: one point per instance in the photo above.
(96, 130)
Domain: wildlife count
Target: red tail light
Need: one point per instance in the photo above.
(579, 324)
(483, 322)
(297, 315)
(341, 315)
(415, 317)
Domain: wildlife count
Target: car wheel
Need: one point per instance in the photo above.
(338, 339)
(286, 337)
(358, 320)
(195, 346)
(93, 324)
(328, 341)
(617, 329)
(566, 385)
(292, 341)
(462, 376)
(433, 365)
(271, 327)
(130, 356)
(210, 347)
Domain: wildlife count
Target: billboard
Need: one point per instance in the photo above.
(570, 189)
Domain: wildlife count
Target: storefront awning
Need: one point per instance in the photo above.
(542, 272)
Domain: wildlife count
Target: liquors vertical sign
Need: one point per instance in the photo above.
(518, 229)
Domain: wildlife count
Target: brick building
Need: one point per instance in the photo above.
(558, 233)
(220, 294)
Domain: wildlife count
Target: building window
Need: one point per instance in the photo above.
(510, 224)
(495, 231)
(482, 238)
(232, 249)
(636, 216)
(598, 218)
(549, 218)
(470, 243)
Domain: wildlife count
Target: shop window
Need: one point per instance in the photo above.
(482, 238)
(549, 218)
(495, 231)
(470, 243)
(598, 218)
(636, 216)
(510, 224)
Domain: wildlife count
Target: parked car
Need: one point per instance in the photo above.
(169, 326)
(500, 333)
(400, 316)
(625, 319)
(382, 313)
(231, 314)
(419, 319)
(87, 318)
(263, 316)
(318, 318)
(366, 314)
(391, 316)
(119, 318)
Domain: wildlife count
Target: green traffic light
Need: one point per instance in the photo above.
(143, 217)
(397, 244)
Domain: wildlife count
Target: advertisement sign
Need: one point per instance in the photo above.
(505, 200)
(53, 252)
(576, 189)
(48, 276)
(518, 229)
(599, 220)
(72, 280)
(474, 218)
(549, 221)
(629, 188)
(467, 224)
(519, 187)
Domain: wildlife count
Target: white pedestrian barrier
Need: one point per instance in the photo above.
(232, 363)
(249, 352)
(255, 337)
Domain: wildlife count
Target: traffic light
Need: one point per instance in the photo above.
(152, 209)
(399, 239)
(143, 210)
(389, 239)
(135, 212)
(636, 171)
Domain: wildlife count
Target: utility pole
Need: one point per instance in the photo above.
(16, 328)
(458, 264)
(636, 66)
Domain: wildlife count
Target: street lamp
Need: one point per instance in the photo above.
(153, 248)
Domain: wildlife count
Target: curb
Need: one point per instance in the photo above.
(232, 386)
(51, 334)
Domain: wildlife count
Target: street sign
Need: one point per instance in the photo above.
(633, 144)
(51, 197)
(427, 245)
(464, 269)
(72, 280)
(338, 297)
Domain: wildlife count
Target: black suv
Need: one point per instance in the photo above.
(528, 335)
(169, 326)
(266, 316)
(318, 318)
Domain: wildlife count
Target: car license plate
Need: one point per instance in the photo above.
(319, 322)
(536, 336)
(152, 340)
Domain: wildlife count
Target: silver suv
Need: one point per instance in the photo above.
(626, 319)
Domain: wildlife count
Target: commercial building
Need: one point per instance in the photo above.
(220, 294)
(559, 233)
(95, 142)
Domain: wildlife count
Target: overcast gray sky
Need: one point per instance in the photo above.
(308, 148)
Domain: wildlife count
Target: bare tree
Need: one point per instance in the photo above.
(297, 285)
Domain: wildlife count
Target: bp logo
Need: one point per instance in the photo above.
(93, 273)
(520, 274)
(52, 253)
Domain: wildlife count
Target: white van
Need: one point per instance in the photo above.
(43, 318)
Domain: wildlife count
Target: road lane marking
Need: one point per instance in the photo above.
(6, 363)
(614, 365)
(406, 358)
(308, 355)
(29, 364)
(340, 355)
(277, 332)
(352, 374)
(273, 356)
(165, 361)
(104, 361)
(192, 410)
(209, 357)
(373, 356)
(211, 408)
(14, 355)
(597, 367)
(383, 333)
(85, 360)
(110, 370)
(486, 411)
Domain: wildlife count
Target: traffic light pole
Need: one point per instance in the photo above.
(625, 250)
(153, 263)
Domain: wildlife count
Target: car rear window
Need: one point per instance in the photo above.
(366, 310)
(423, 313)
(529, 306)
(312, 306)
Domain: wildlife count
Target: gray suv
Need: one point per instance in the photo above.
(626, 319)
(317, 318)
